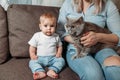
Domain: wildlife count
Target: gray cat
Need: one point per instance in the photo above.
(79, 27)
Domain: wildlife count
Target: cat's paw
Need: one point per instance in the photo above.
(74, 57)
(82, 55)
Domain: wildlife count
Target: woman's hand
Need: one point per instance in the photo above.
(89, 39)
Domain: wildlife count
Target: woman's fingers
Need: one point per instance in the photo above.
(89, 39)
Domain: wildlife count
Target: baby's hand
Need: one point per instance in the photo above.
(75, 45)
(34, 57)
(58, 55)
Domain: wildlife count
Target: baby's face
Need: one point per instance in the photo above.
(48, 27)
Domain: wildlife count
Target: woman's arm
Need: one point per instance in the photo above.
(113, 23)
(92, 38)
(108, 38)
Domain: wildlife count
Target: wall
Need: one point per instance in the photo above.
(56, 3)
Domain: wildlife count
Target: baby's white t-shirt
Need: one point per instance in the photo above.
(46, 45)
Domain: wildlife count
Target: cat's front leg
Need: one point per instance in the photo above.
(78, 51)
(74, 56)
(84, 52)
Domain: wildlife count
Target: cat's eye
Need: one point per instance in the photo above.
(72, 26)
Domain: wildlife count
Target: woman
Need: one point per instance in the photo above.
(105, 64)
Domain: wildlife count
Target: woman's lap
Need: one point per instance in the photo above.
(87, 67)
(103, 54)
(90, 68)
(111, 72)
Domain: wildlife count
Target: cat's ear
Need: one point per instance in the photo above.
(68, 19)
(71, 19)
(81, 20)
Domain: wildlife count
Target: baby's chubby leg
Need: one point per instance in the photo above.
(55, 66)
(37, 69)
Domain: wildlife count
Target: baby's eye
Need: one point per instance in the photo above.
(51, 25)
(45, 25)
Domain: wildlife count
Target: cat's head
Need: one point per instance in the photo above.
(75, 26)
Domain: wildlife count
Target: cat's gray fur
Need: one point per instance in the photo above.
(79, 27)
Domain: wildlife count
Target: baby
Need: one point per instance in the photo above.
(46, 49)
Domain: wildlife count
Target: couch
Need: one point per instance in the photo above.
(17, 25)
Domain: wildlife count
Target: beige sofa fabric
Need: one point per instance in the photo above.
(3, 36)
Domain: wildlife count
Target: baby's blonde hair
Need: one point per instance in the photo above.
(99, 4)
(48, 16)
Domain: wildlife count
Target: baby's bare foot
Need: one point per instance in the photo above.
(39, 75)
(52, 74)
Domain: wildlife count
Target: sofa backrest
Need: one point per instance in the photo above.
(3, 36)
(23, 22)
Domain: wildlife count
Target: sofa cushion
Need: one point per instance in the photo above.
(3, 36)
(17, 69)
(23, 21)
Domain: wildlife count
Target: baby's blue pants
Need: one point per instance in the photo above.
(51, 62)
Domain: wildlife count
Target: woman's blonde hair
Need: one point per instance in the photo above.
(99, 4)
